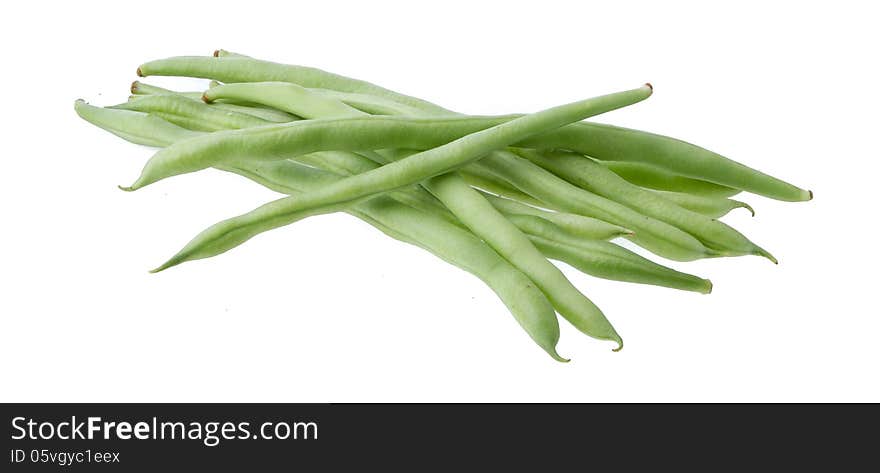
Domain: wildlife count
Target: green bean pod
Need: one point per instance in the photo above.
(266, 113)
(588, 175)
(652, 177)
(211, 119)
(613, 143)
(282, 141)
(243, 69)
(135, 127)
(606, 260)
(712, 207)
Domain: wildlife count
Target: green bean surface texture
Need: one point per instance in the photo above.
(497, 196)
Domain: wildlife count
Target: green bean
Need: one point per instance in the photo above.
(652, 177)
(282, 141)
(613, 143)
(503, 236)
(605, 260)
(712, 207)
(266, 113)
(372, 104)
(242, 69)
(457, 246)
(139, 88)
(573, 224)
(176, 105)
(659, 237)
(588, 175)
(133, 126)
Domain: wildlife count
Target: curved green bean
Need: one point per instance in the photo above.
(243, 69)
(266, 113)
(652, 177)
(588, 175)
(613, 143)
(136, 127)
(606, 260)
(282, 141)
(212, 119)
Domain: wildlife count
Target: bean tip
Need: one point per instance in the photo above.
(216, 53)
(766, 254)
(741, 205)
(648, 85)
(205, 98)
(810, 193)
(139, 72)
(709, 286)
(134, 86)
(126, 188)
(556, 356)
(619, 346)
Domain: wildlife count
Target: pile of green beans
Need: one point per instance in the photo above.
(497, 196)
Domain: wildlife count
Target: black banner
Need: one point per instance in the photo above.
(327, 437)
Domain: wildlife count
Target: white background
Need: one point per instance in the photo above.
(330, 310)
